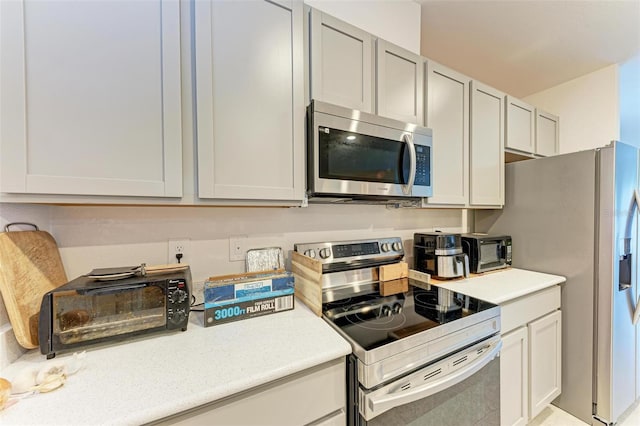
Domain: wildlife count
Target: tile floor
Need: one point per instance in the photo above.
(553, 416)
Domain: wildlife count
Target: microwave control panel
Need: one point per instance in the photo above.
(422, 165)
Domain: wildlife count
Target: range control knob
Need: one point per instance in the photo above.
(178, 296)
(325, 252)
(397, 308)
(397, 246)
(386, 311)
(385, 247)
(310, 253)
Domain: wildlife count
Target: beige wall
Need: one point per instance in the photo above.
(91, 237)
(629, 92)
(588, 109)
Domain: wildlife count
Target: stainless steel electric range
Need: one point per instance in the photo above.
(426, 356)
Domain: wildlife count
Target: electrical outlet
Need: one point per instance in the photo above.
(237, 248)
(178, 246)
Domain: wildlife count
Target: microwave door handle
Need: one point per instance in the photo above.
(408, 188)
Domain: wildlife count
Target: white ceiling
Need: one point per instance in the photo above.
(525, 46)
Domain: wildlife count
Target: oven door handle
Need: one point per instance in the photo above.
(390, 396)
(408, 188)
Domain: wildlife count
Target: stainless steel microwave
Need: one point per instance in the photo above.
(363, 156)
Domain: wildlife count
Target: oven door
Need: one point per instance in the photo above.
(462, 389)
(351, 157)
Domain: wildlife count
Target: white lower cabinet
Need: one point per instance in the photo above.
(530, 361)
(544, 361)
(514, 377)
(316, 396)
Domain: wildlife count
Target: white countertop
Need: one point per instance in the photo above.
(140, 381)
(154, 377)
(502, 286)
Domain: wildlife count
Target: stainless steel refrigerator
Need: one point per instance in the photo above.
(576, 215)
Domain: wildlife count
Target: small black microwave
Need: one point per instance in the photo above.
(487, 252)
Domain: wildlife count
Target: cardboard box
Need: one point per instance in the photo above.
(236, 297)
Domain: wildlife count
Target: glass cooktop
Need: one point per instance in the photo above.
(373, 320)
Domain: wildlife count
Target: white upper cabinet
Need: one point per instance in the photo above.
(250, 100)
(399, 81)
(520, 125)
(447, 114)
(341, 63)
(547, 133)
(486, 146)
(91, 100)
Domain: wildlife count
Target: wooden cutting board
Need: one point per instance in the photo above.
(30, 266)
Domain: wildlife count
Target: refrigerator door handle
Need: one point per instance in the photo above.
(625, 270)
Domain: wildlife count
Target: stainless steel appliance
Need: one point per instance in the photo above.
(100, 308)
(415, 354)
(575, 215)
(487, 252)
(352, 154)
(440, 255)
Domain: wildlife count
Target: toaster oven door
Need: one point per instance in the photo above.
(103, 312)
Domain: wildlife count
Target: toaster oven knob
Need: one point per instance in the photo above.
(310, 253)
(397, 246)
(179, 316)
(386, 311)
(325, 252)
(385, 247)
(178, 296)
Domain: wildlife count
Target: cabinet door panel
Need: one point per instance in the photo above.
(520, 118)
(486, 146)
(545, 354)
(514, 378)
(250, 100)
(547, 132)
(399, 91)
(341, 63)
(447, 116)
(91, 98)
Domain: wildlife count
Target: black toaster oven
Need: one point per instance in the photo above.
(87, 311)
(487, 252)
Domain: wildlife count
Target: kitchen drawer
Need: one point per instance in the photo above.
(339, 418)
(313, 395)
(525, 309)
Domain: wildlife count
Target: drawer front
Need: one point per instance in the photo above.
(525, 309)
(307, 397)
